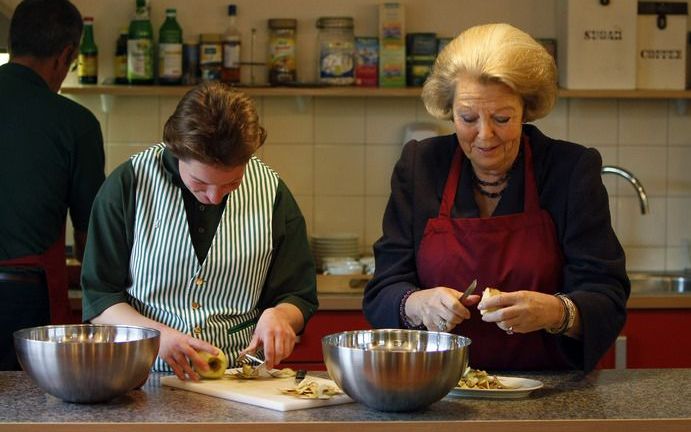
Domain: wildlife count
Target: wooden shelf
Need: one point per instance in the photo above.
(127, 90)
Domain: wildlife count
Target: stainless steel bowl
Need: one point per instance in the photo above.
(395, 370)
(87, 363)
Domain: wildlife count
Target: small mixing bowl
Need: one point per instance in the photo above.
(395, 370)
(87, 363)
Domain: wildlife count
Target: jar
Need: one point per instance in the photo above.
(210, 56)
(282, 47)
(336, 47)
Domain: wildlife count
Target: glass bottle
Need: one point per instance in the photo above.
(140, 47)
(170, 50)
(336, 50)
(282, 44)
(230, 72)
(120, 61)
(87, 63)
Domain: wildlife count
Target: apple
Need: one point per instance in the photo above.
(217, 364)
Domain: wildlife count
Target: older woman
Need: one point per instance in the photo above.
(500, 202)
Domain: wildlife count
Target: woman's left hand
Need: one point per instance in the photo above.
(275, 334)
(523, 311)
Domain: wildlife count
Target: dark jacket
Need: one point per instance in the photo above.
(570, 188)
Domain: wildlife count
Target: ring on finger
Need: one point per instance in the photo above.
(509, 331)
(442, 324)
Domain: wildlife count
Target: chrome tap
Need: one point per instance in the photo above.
(628, 175)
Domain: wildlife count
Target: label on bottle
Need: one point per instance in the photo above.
(120, 68)
(170, 61)
(281, 59)
(210, 53)
(231, 54)
(87, 66)
(140, 59)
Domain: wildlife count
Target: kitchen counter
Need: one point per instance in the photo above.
(613, 400)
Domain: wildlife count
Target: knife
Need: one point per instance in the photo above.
(468, 291)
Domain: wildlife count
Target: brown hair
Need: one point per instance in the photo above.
(493, 53)
(215, 125)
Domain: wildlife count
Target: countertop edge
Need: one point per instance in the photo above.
(612, 425)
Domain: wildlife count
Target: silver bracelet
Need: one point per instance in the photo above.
(569, 315)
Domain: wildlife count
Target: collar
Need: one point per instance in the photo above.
(25, 73)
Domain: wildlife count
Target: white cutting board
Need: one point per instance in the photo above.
(264, 392)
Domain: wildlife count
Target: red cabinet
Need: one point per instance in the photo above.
(655, 338)
(308, 351)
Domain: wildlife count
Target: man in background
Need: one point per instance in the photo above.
(51, 161)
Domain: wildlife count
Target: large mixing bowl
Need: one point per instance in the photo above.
(395, 370)
(87, 363)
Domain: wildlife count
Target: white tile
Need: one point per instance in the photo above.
(643, 122)
(386, 119)
(294, 163)
(678, 220)
(679, 171)
(339, 169)
(592, 121)
(289, 119)
(645, 258)
(374, 214)
(379, 164)
(339, 214)
(555, 125)
(306, 204)
(637, 230)
(166, 108)
(421, 115)
(678, 259)
(679, 124)
(339, 120)
(648, 164)
(117, 153)
(134, 119)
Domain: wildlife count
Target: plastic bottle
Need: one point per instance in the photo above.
(170, 50)
(120, 61)
(87, 63)
(140, 47)
(230, 72)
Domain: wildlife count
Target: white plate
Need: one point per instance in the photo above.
(518, 388)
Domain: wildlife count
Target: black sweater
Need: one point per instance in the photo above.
(569, 187)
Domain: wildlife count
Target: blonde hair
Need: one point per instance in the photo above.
(493, 53)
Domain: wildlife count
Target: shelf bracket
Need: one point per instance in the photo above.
(107, 101)
(682, 106)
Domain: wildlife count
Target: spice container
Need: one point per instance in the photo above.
(336, 46)
(190, 62)
(210, 56)
(282, 47)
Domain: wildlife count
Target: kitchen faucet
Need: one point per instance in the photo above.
(628, 175)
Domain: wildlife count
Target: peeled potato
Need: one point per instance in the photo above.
(487, 293)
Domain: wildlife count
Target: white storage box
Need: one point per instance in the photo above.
(661, 59)
(597, 44)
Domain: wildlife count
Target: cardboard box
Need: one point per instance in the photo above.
(661, 59)
(596, 46)
(366, 61)
(391, 45)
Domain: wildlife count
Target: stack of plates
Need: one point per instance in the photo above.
(340, 245)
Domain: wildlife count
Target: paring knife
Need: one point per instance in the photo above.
(300, 375)
(468, 291)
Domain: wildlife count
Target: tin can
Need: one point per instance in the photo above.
(190, 63)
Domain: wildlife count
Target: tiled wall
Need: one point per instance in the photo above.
(336, 155)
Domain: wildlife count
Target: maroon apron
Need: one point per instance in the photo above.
(511, 252)
(53, 263)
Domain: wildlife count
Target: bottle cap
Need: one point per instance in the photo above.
(89, 20)
(232, 9)
(171, 11)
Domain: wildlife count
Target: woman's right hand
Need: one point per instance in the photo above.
(439, 308)
(180, 352)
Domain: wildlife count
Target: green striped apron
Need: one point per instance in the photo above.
(169, 284)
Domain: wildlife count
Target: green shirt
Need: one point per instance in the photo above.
(51, 160)
(105, 270)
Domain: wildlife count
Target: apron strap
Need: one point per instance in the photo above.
(449, 195)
